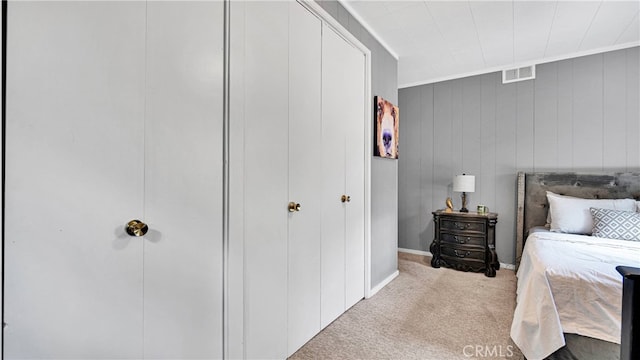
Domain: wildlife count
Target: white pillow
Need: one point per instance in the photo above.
(638, 205)
(571, 214)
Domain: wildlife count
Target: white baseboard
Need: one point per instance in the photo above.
(383, 283)
(507, 266)
(415, 252)
(427, 253)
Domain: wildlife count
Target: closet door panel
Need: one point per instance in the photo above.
(266, 150)
(333, 165)
(354, 175)
(305, 174)
(183, 181)
(74, 178)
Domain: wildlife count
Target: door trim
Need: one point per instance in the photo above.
(2, 155)
(226, 103)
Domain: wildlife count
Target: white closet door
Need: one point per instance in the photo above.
(85, 156)
(305, 174)
(343, 174)
(266, 149)
(74, 177)
(354, 175)
(183, 181)
(334, 105)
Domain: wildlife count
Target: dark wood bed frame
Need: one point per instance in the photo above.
(532, 197)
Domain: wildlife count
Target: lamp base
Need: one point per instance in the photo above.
(464, 203)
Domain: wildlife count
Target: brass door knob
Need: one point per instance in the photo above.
(345, 198)
(136, 228)
(294, 207)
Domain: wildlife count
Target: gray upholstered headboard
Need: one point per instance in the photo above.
(532, 199)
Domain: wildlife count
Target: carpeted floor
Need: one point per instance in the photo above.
(425, 313)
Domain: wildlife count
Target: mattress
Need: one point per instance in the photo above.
(568, 283)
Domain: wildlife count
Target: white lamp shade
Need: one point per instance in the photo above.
(464, 183)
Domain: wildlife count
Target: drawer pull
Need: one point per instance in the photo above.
(461, 255)
(462, 240)
(461, 226)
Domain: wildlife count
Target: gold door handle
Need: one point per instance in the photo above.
(345, 198)
(136, 228)
(294, 207)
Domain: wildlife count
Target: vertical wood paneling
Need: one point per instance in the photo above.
(409, 168)
(384, 181)
(524, 125)
(614, 139)
(384, 176)
(384, 218)
(428, 202)
(343, 16)
(587, 113)
(456, 146)
(487, 187)
(565, 115)
(545, 130)
(506, 164)
(633, 108)
(330, 6)
(354, 27)
(553, 123)
(442, 142)
(472, 132)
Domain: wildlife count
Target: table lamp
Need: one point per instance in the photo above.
(464, 184)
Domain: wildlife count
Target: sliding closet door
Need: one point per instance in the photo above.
(305, 175)
(183, 180)
(74, 177)
(342, 249)
(266, 149)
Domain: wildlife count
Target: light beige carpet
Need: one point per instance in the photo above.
(425, 313)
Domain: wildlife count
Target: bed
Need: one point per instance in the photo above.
(569, 292)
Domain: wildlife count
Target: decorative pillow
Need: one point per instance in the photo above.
(638, 205)
(616, 224)
(571, 214)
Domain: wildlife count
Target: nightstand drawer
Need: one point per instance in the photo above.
(462, 239)
(447, 224)
(462, 252)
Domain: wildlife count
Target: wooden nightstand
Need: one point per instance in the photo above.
(465, 241)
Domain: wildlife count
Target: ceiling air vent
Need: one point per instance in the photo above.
(519, 74)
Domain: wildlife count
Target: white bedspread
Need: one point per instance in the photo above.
(568, 283)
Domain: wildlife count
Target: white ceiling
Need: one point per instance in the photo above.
(441, 40)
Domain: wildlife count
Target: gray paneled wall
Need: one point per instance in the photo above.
(580, 115)
(384, 172)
